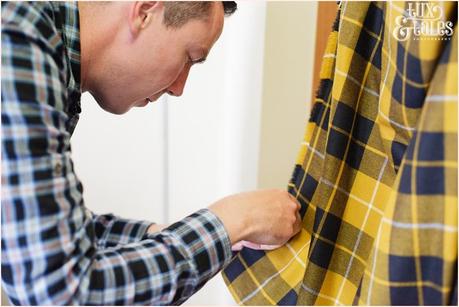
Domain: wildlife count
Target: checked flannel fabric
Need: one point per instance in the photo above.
(54, 250)
(376, 174)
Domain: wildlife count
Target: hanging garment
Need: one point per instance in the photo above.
(376, 175)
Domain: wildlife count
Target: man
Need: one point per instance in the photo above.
(54, 250)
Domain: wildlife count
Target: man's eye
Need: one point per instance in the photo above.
(196, 61)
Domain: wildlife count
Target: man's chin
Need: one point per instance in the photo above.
(113, 108)
(116, 111)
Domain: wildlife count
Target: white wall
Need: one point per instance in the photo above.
(169, 159)
(119, 159)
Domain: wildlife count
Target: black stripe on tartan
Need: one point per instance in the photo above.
(289, 299)
(445, 57)
(397, 151)
(344, 118)
(374, 20)
(321, 253)
(375, 24)
(431, 146)
(234, 269)
(453, 300)
(365, 45)
(400, 295)
(336, 144)
(335, 26)
(430, 180)
(402, 268)
(317, 114)
(307, 189)
(431, 296)
(413, 96)
(354, 155)
(251, 256)
(405, 180)
(324, 89)
(432, 269)
(413, 70)
(330, 227)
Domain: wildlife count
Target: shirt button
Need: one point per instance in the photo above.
(58, 169)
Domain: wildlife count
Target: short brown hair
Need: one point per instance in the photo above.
(177, 13)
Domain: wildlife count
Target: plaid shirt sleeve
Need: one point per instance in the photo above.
(54, 250)
(112, 230)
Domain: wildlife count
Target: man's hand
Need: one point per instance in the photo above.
(268, 217)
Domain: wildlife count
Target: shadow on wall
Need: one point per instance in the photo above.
(287, 88)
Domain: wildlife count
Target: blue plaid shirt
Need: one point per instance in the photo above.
(54, 250)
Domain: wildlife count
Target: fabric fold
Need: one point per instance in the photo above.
(376, 174)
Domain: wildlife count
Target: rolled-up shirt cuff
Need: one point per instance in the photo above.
(205, 241)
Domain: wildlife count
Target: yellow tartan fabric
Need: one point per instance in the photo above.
(376, 175)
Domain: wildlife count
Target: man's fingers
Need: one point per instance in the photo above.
(298, 222)
(298, 205)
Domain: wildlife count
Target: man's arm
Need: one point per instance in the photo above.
(112, 230)
(162, 269)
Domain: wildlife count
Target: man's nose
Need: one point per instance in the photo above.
(176, 88)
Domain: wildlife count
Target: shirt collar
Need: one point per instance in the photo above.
(70, 19)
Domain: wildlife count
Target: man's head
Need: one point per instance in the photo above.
(133, 52)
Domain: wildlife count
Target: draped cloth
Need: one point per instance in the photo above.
(376, 175)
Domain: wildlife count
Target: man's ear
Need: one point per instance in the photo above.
(142, 13)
